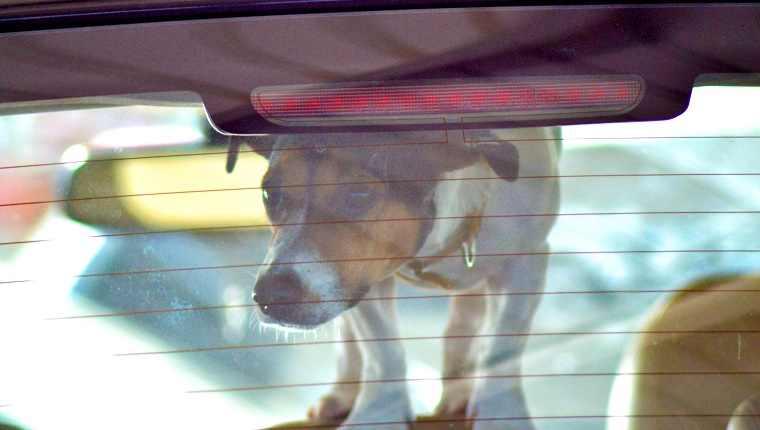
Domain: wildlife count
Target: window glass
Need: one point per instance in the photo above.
(128, 256)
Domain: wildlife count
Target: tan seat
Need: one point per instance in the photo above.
(697, 360)
(747, 415)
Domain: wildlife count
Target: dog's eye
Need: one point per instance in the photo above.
(272, 196)
(358, 199)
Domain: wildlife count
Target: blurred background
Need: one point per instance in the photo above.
(136, 311)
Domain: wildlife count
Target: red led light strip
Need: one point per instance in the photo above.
(430, 102)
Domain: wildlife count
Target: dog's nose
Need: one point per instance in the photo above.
(279, 294)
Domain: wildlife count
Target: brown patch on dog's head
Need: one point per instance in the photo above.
(375, 223)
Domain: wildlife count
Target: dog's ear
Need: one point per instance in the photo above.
(259, 144)
(447, 157)
(420, 162)
(501, 155)
(233, 148)
(503, 158)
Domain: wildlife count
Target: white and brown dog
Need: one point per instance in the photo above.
(353, 212)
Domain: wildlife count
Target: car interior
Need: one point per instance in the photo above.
(129, 247)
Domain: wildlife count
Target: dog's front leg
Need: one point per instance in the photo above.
(383, 402)
(498, 401)
(460, 351)
(337, 404)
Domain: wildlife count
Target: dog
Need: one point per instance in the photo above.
(353, 213)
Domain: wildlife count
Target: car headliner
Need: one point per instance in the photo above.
(224, 59)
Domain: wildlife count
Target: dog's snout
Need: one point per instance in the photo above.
(278, 294)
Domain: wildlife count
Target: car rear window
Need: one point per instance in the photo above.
(149, 305)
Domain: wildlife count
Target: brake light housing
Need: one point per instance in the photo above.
(448, 101)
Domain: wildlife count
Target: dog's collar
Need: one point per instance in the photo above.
(464, 239)
(459, 208)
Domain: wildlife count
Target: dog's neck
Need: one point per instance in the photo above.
(460, 200)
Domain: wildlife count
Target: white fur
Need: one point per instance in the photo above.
(457, 196)
(320, 277)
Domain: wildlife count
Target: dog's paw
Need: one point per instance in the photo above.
(331, 407)
(455, 398)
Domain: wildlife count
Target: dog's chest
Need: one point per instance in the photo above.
(445, 260)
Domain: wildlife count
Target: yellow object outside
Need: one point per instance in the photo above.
(192, 191)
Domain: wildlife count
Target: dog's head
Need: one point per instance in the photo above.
(346, 212)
